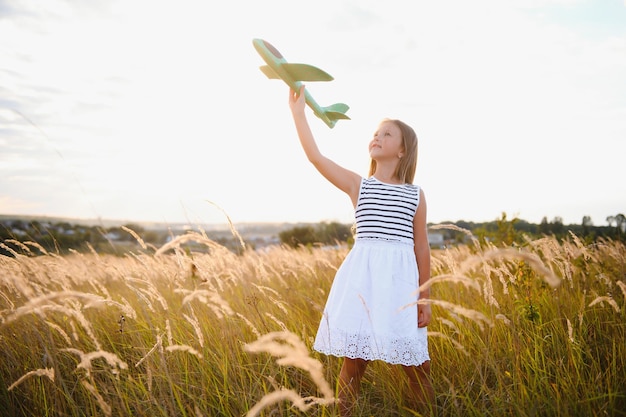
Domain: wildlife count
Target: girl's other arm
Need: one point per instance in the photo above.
(422, 256)
(344, 179)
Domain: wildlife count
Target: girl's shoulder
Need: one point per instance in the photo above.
(413, 187)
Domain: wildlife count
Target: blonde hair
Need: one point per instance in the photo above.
(408, 163)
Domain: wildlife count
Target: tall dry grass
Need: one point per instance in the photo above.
(533, 331)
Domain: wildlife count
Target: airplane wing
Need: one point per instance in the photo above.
(299, 72)
(269, 72)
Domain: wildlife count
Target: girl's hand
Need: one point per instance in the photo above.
(297, 100)
(423, 315)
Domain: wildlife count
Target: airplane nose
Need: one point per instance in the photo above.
(273, 50)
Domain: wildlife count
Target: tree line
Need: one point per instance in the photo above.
(61, 237)
(17, 236)
(515, 231)
(500, 231)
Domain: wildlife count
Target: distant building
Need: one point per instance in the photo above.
(435, 239)
(112, 236)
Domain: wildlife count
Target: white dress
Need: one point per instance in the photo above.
(368, 313)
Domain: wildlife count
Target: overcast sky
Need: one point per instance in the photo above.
(147, 110)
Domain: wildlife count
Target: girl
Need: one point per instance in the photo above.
(364, 318)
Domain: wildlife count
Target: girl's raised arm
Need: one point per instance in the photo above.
(344, 179)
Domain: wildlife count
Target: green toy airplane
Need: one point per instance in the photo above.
(278, 68)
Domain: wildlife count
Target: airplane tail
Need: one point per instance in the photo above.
(336, 112)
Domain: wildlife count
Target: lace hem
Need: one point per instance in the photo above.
(395, 351)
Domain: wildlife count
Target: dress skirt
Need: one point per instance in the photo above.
(370, 312)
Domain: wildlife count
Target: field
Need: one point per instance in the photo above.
(536, 330)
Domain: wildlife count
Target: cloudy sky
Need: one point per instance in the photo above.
(153, 110)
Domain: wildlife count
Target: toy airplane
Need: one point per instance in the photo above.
(278, 68)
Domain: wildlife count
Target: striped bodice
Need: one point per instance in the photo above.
(386, 211)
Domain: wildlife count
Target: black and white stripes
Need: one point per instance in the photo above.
(386, 211)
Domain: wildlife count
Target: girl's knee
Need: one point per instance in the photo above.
(424, 367)
(354, 367)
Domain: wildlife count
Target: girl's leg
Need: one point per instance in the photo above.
(349, 383)
(421, 387)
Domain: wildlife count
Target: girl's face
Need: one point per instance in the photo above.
(387, 142)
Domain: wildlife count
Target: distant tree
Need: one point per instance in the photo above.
(506, 233)
(525, 227)
(618, 221)
(323, 233)
(610, 220)
(152, 237)
(124, 235)
(586, 225)
(301, 235)
(64, 226)
(556, 226)
(34, 229)
(544, 227)
(620, 224)
(135, 228)
(330, 233)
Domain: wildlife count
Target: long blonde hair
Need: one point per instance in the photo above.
(408, 163)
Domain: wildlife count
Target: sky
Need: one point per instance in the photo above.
(145, 110)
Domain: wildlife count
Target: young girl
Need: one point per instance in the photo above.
(366, 317)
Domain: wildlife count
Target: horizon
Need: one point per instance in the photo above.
(226, 223)
(519, 108)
